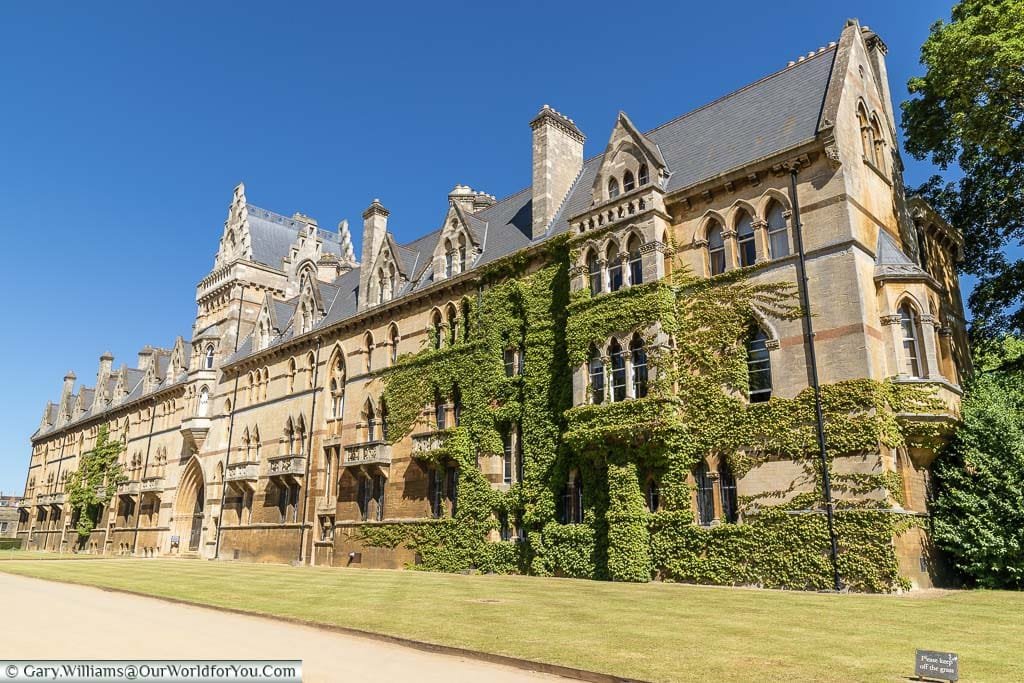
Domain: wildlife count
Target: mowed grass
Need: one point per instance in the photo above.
(654, 632)
(9, 554)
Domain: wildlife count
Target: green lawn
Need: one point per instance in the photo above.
(656, 632)
(9, 554)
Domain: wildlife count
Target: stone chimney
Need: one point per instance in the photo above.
(145, 357)
(69, 384)
(557, 161)
(106, 363)
(375, 226)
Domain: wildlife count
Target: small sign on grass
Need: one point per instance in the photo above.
(943, 666)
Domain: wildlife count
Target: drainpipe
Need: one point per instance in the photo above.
(145, 465)
(309, 450)
(231, 428)
(812, 361)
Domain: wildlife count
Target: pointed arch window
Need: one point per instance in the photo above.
(716, 249)
(291, 375)
(745, 239)
(393, 343)
(208, 362)
(449, 255)
(457, 405)
(636, 265)
(643, 175)
(371, 421)
(594, 271)
(628, 181)
(613, 188)
(289, 436)
(453, 324)
(436, 324)
(440, 412)
(759, 367)
(878, 142)
(614, 267)
(465, 317)
(204, 402)
(705, 495)
(618, 363)
(383, 419)
(727, 494)
(462, 253)
(910, 329)
(866, 135)
(368, 350)
(638, 356)
(338, 387)
(595, 367)
(778, 231)
(380, 285)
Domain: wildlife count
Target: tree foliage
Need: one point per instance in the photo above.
(967, 111)
(978, 514)
(90, 487)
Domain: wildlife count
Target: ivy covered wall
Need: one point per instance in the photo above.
(696, 331)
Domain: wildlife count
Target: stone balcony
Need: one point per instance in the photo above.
(331, 440)
(244, 473)
(370, 453)
(152, 485)
(24, 502)
(425, 442)
(128, 488)
(50, 499)
(194, 431)
(291, 467)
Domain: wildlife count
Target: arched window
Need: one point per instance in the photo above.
(867, 141)
(594, 271)
(465, 316)
(778, 230)
(307, 317)
(618, 363)
(759, 367)
(910, 328)
(204, 402)
(440, 412)
(595, 367)
(705, 495)
(614, 267)
(449, 254)
(368, 350)
(628, 182)
(453, 324)
(393, 342)
(371, 421)
(383, 419)
(639, 358)
(289, 436)
(264, 384)
(643, 175)
(338, 387)
(716, 249)
(636, 266)
(653, 495)
(310, 369)
(457, 405)
(208, 363)
(462, 253)
(745, 239)
(878, 140)
(380, 285)
(613, 188)
(378, 481)
(727, 492)
(291, 375)
(435, 323)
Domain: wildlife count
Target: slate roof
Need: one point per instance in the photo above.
(271, 236)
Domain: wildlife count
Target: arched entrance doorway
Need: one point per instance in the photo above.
(190, 505)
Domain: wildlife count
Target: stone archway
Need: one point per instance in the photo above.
(190, 506)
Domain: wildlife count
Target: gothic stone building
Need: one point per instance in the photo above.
(274, 434)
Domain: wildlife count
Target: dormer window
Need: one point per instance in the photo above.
(644, 175)
(208, 362)
(449, 255)
(462, 253)
(613, 188)
(628, 182)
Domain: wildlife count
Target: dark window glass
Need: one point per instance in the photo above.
(716, 250)
(378, 495)
(440, 418)
(628, 183)
(705, 495)
(614, 269)
(594, 271)
(643, 175)
(434, 492)
(727, 490)
(745, 240)
(778, 231)
(509, 358)
(636, 264)
(596, 368)
(507, 456)
(653, 496)
(451, 488)
(618, 363)
(759, 367)
(639, 358)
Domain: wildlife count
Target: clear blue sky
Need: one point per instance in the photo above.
(124, 127)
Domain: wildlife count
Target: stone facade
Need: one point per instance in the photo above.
(262, 438)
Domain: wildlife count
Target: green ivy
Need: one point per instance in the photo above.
(696, 406)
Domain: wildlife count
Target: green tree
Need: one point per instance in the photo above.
(978, 512)
(91, 486)
(967, 111)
